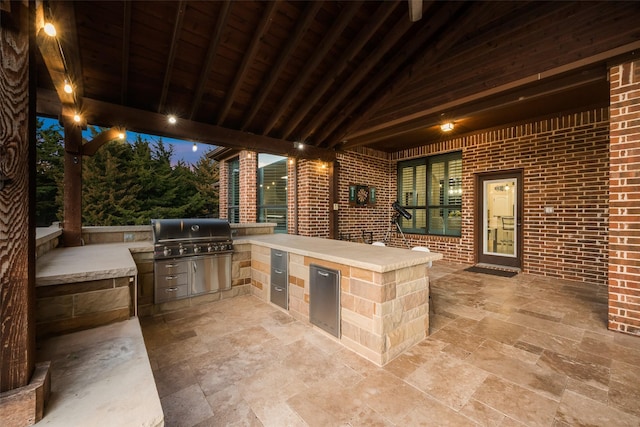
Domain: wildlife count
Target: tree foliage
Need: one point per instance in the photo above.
(131, 183)
(49, 174)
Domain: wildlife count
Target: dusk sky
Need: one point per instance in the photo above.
(182, 150)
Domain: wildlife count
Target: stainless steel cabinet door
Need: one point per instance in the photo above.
(324, 298)
(210, 273)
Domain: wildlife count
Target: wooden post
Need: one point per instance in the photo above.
(72, 224)
(24, 387)
(17, 232)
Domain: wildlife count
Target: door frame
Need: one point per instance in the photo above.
(513, 262)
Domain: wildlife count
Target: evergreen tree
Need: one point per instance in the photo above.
(49, 174)
(207, 177)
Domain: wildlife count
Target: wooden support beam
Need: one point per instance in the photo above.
(247, 59)
(302, 26)
(63, 13)
(72, 182)
(17, 199)
(364, 35)
(90, 148)
(223, 15)
(311, 64)
(110, 115)
(177, 28)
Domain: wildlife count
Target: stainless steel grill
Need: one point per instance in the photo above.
(192, 257)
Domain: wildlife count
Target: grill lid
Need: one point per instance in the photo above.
(190, 230)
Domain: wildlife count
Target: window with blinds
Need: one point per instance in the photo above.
(272, 190)
(431, 190)
(233, 191)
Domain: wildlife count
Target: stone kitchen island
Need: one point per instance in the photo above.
(384, 291)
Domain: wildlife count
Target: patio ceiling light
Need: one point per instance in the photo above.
(195, 147)
(67, 86)
(446, 127)
(172, 119)
(77, 118)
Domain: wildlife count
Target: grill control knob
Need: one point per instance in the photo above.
(196, 249)
(182, 250)
(166, 251)
(209, 248)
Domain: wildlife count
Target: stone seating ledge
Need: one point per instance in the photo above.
(101, 377)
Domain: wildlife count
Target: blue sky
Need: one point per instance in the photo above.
(182, 150)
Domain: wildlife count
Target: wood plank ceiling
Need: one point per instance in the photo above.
(334, 75)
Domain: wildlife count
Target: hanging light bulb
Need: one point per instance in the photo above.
(121, 135)
(50, 29)
(77, 118)
(67, 87)
(195, 147)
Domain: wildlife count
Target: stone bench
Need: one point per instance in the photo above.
(101, 377)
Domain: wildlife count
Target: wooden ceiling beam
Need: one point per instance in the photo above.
(392, 67)
(361, 73)
(175, 38)
(326, 45)
(223, 15)
(64, 15)
(491, 100)
(247, 59)
(54, 62)
(302, 26)
(126, 41)
(363, 36)
(105, 114)
(439, 48)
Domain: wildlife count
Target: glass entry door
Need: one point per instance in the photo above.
(500, 219)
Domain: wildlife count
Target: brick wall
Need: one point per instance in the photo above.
(566, 166)
(372, 168)
(624, 199)
(313, 198)
(248, 191)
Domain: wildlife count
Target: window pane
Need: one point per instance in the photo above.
(272, 190)
(436, 194)
(436, 223)
(233, 202)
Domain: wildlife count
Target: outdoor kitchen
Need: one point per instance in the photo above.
(379, 300)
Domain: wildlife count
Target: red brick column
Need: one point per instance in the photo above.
(624, 199)
(223, 189)
(313, 198)
(248, 194)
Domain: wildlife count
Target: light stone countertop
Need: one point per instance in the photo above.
(368, 257)
(101, 377)
(90, 262)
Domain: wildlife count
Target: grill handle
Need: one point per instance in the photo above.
(173, 289)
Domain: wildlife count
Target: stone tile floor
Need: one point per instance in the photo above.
(501, 352)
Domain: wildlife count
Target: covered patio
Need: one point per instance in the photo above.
(354, 96)
(514, 351)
